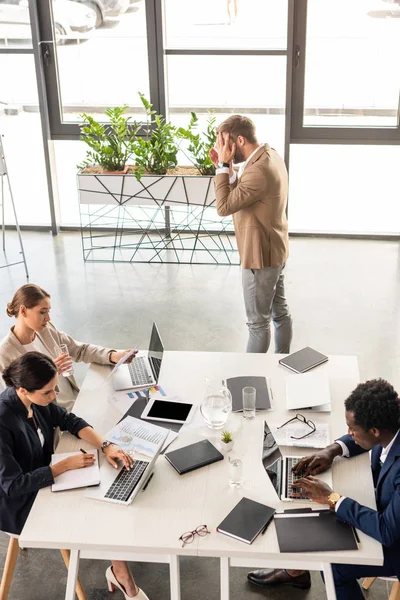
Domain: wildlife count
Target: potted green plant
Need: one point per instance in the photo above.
(200, 144)
(226, 441)
(111, 146)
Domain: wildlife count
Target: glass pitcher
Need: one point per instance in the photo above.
(217, 404)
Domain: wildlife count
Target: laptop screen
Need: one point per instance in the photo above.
(156, 351)
(272, 460)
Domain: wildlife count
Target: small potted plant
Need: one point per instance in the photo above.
(227, 441)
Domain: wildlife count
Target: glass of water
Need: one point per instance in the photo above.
(249, 402)
(235, 472)
(63, 349)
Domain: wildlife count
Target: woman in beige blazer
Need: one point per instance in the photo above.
(33, 331)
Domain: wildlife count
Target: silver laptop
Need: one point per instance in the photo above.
(123, 486)
(144, 370)
(279, 468)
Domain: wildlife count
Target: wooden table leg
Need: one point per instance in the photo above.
(9, 566)
(368, 581)
(329, 583)
(395, 593)
(224, 577)
(73, 567)
(174, 575)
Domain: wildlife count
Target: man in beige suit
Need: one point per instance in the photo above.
(256, 197)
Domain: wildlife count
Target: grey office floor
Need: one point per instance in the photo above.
(344, 296)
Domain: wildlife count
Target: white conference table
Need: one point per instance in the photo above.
(148, 530)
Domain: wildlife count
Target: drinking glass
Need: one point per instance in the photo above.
(249, 402)
(235, 472)
(63, 349)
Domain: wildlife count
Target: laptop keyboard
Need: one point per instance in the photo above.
(139, 372)
(126, 481)
(291, 477)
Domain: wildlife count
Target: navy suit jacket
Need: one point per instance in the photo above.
(382, 524)
(24, 463)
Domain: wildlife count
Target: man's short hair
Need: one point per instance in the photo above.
(375, 403)
(237, 125)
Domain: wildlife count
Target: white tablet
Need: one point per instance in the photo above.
(168, 411)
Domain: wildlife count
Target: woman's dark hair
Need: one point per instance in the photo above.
(375, 403)
(29, 295)
(31, 371)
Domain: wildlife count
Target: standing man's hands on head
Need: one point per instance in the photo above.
(224, 151)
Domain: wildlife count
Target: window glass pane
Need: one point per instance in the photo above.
(240, 24)
(344, 189)
(204, 89)
(351, 77)
(106, 66)
(20, 124)
(15, 25)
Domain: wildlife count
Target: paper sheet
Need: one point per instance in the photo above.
(75, 478)
(307, 390)
(122, 360)
(134, 435)
(318, 439)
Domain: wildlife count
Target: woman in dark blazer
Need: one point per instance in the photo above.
(28, 418)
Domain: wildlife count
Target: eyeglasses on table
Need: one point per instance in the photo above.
(188, 537)
(302, 419)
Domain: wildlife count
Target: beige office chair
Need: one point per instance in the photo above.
(394, 594)
(9, 566)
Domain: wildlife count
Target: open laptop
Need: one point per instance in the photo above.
(144, 370)
(123, 486)
(279, 468)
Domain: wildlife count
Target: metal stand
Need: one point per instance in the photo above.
(3, 175)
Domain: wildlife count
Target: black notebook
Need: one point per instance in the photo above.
(313, 531)
(194, 456)
(303, 360)
(236, 384)
(246, 520)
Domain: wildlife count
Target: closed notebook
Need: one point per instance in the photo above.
(76, 478)
(246, 520)
(303, 360)
(313, 531)
(193, 457)
(236, 384)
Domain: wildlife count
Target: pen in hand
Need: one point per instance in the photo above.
(83, 451)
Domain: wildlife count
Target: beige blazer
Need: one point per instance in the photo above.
(257, 202)
(11, 348)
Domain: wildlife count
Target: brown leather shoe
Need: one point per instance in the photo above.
(263, 577)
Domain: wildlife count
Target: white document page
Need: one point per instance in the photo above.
(134, 435)
(122, 360)
(318, 439)
(307, 390)
(76, 478)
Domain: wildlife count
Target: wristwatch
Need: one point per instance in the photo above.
(333, 499)
(221, 165)
(105, 444)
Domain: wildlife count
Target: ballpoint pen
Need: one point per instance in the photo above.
(148, 481)
(83, 451)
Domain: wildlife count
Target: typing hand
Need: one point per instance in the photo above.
(314, 488)
(314, 464)
(114, 453)
(63, 362)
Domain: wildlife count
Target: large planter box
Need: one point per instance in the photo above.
(166, 218)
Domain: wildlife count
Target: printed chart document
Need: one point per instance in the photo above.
(135, 435)
(318, 439)
(308, 390)
(76, 478)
